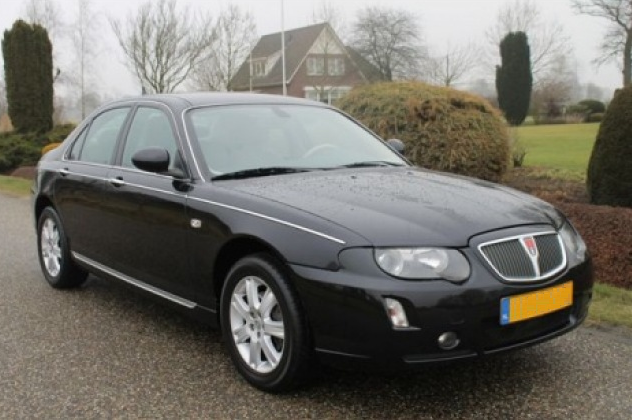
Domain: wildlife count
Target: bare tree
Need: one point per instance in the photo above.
(390, 39)
(617, 43)
(328, 12)
(163, 44)
(451, 67)
(555, 90)
(235, 32)
(47, 14)
(547, 38)
(83, 33)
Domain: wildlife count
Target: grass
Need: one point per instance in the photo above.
(15, 186)
(611, 305)
(563, 148)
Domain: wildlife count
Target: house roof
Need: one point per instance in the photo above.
(297, 44)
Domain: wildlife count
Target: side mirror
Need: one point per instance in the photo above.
(396, 145)
(152, 159)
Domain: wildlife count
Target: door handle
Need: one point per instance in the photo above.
(64, 172)
(117, 182)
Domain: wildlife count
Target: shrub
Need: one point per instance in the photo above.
(49, 147)
(60, 132)
(562, 119)
(609, 177)
(26, 149)
(442, 128)
(28, 69)
(514, 81)
(596, 117)
(593, 106)
(16, 150)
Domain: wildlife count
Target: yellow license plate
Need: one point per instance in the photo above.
(534, 304)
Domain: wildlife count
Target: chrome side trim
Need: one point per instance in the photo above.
(65, 172)
(271, 219)
(137, 283)
(537, 278)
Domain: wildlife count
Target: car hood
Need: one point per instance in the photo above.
(402, 206)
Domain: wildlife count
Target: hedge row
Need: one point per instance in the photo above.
(25, 149)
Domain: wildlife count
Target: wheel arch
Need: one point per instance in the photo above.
(236, 249)
(41, 202)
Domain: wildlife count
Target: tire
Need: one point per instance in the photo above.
(54, 254)
(267, 336)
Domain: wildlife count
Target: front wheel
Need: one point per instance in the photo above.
(265, 329)
(54, 254)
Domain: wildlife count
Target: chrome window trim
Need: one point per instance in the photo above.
(225, 206)
(85, 126)
(132, 103)
(541, 277)
(136, 283)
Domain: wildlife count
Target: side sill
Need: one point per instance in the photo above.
(136, 283)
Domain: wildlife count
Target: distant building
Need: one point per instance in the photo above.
(318, 65)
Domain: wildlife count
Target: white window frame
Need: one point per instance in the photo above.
(315, 66)
(331, 92)
(258, 67)
(336, 66)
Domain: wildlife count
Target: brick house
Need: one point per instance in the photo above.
(318, 65)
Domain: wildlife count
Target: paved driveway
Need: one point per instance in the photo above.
(103, 352)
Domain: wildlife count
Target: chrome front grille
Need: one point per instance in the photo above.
(525, 258)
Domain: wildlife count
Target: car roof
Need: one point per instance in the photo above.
(186, 100)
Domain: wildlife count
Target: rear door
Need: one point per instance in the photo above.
(79, 188)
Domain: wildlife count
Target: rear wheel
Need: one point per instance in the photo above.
(54, 255)
(264, 327)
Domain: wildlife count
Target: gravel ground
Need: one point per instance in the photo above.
(105, 352)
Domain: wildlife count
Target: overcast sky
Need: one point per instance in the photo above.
(443, 22)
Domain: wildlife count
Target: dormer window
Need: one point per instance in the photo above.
(315, 66)
(259, 67)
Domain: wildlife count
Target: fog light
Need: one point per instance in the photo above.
(396, 313)
(448, 340)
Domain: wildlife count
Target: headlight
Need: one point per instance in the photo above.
(423, 263)
(574, 243)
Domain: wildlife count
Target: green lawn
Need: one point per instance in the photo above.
(564, 148)
(611, 305)
(15, 186)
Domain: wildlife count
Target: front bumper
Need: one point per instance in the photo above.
(350, 326)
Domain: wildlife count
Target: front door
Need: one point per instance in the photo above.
(146, 212)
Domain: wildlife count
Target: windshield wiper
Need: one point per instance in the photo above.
(255, 172)
(371, 164)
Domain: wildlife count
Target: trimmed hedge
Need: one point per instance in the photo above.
(609, 176)
(442, 128)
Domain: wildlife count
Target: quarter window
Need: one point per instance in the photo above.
(150, 128)
(77, 145)
(100, 141)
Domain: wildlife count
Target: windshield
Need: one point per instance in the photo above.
(243, 137)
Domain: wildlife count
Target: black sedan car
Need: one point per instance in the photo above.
(304, 236)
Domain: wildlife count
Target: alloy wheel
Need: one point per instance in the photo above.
(256, 323)
(51, 247)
